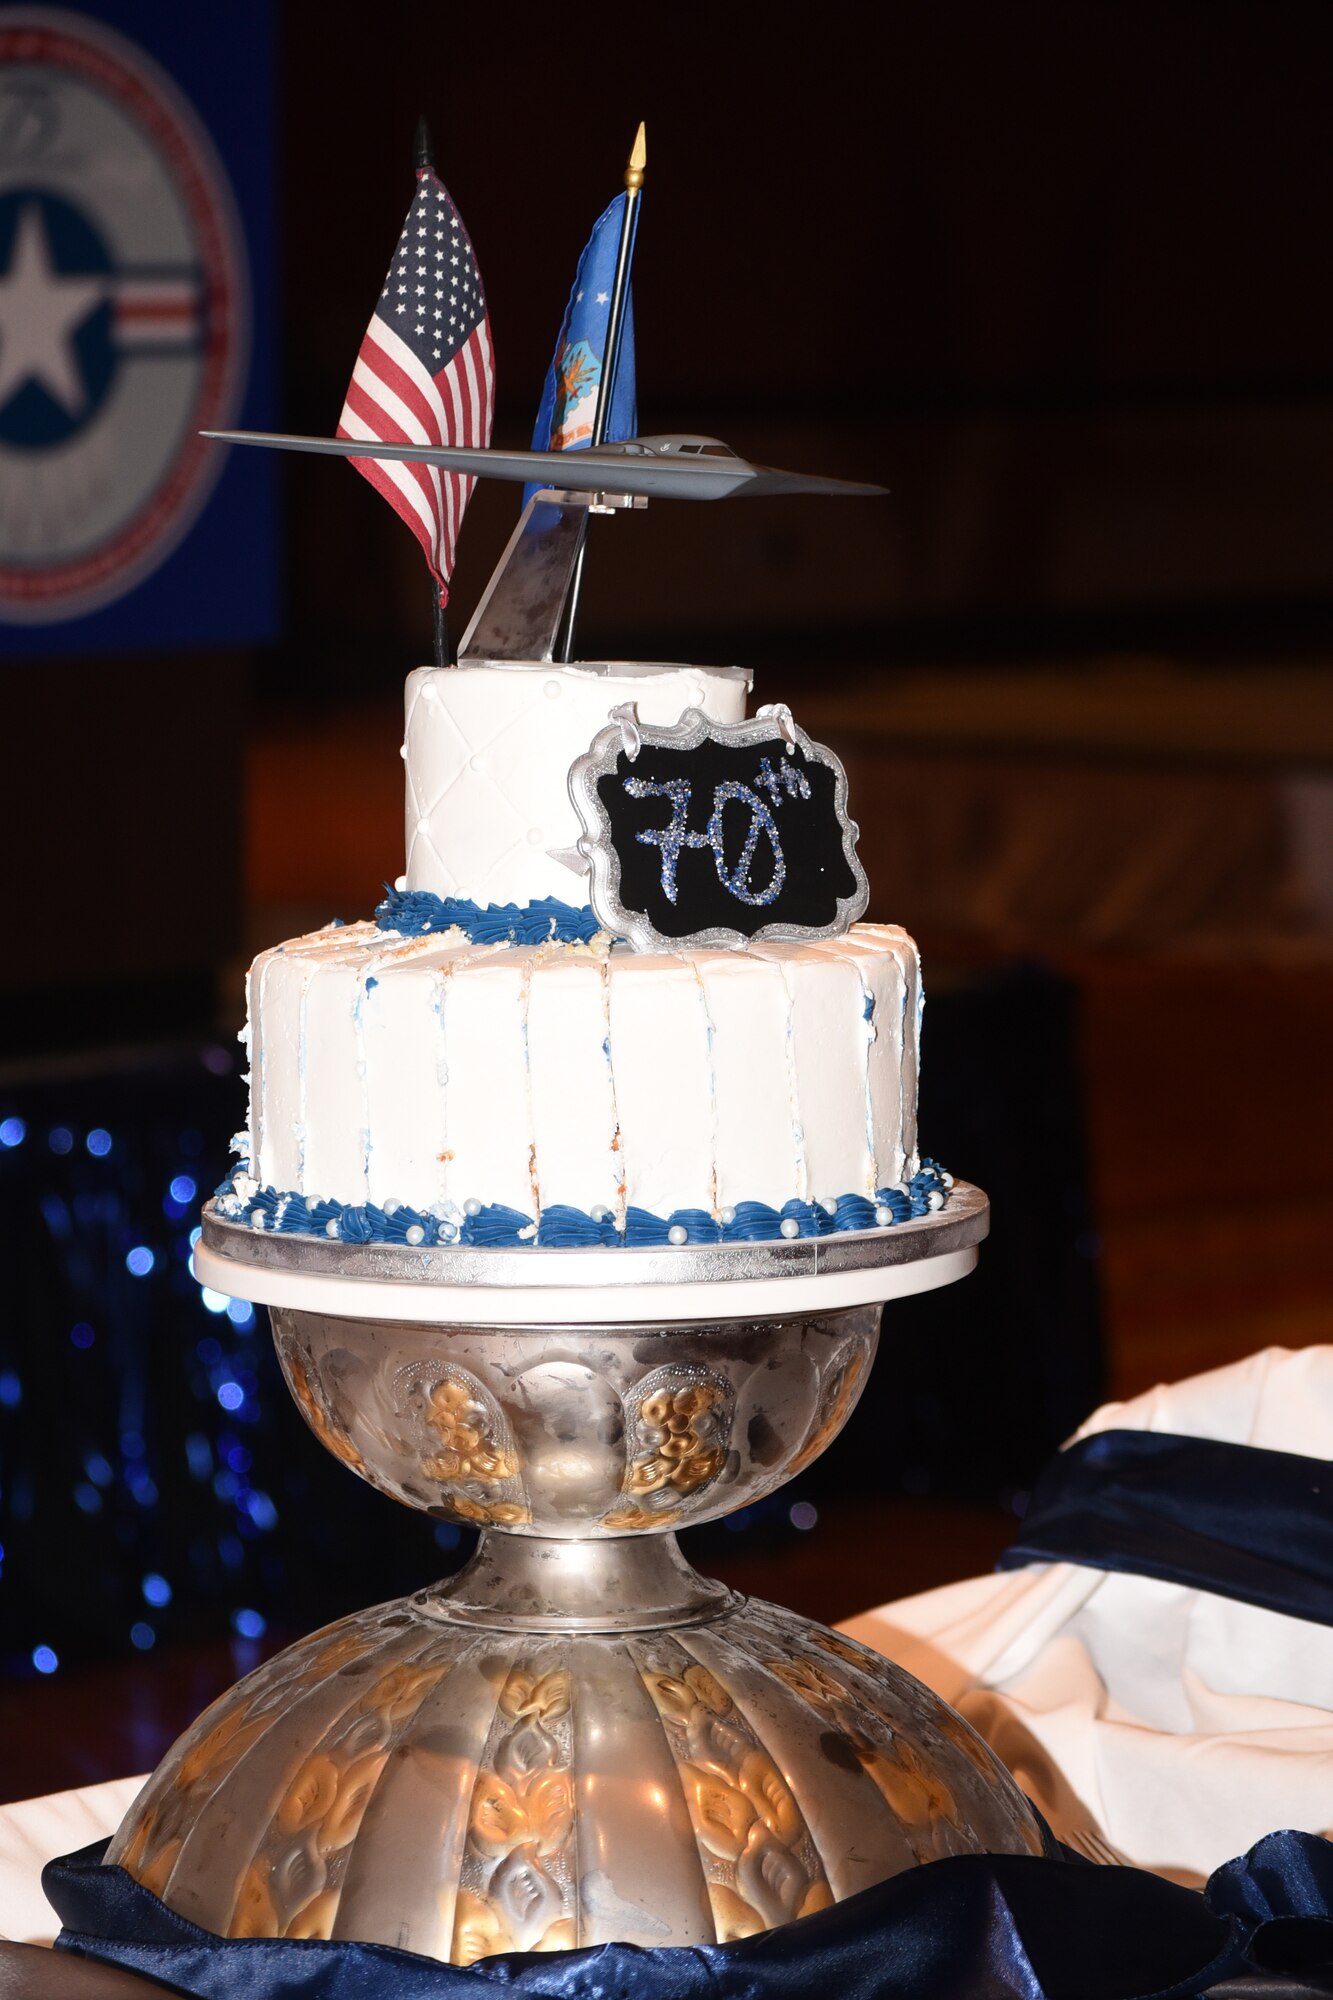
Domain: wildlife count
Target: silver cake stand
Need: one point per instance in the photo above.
(578, 1738)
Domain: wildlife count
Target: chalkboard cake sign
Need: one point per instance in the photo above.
(711, 833)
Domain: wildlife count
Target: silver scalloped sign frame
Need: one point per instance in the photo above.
(621, 910)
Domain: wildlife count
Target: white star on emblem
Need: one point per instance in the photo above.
(40, 312)
(602, 298)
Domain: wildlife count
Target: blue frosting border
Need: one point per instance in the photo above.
(418, 913)
(492, 1225)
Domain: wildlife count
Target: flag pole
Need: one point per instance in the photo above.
(638, 160)
(422, 161)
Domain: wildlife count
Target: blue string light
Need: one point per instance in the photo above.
(145, 1433)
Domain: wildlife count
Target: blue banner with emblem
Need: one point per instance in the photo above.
(136, 191)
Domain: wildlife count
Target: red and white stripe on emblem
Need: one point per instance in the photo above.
(154, 312)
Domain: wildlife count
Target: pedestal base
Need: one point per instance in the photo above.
(515, 1761)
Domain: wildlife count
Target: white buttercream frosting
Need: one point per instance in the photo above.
(487, 751)
(433, 1070)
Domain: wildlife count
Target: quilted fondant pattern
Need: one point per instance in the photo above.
(488, 752)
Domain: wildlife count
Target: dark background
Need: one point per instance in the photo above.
(1058, 277)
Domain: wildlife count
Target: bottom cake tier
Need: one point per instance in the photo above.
(579, 1085)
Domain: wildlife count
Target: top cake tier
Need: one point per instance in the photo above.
(488, 751)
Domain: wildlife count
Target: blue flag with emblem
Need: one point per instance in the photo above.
(569, 399)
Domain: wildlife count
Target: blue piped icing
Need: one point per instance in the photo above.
(492, 1225)
(495, 1226)
(698, 1224)
(643, 1229)
(565, 1228)
(416, 912)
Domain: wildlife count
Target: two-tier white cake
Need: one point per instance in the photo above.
(482, 1063)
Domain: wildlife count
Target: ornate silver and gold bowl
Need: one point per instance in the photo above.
(578, 1738)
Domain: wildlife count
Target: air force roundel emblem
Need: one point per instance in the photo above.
(124, 314)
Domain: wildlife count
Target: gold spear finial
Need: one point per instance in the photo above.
(638, 160)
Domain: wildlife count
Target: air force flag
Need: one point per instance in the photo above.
(569, 399)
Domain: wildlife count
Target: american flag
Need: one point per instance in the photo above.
(426, 372)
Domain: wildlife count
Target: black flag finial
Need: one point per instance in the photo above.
(422, 149)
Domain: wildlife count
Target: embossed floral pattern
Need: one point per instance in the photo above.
(678, 1425)
(456, 1411)
(922, 1791)
(330, 1434)
(761, 1866)
(838, 1391)
(517, 1891)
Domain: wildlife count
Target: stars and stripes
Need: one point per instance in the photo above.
(426, 372)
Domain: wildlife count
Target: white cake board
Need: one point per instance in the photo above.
(466, 1286)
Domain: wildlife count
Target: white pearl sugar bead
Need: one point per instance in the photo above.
(935, 1199)
(552, 690)
(416, 1234)
(827, 1203)
(884, 1216)
(392, 1205)
(402, 749)
(256, 1218)
(472, 1206)
(331, 1226)
(947, 1180)
(400, 882)
(448, 1232)
(789, 1226)
(600, 1212)
(678, 1233)
(728, 1215)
